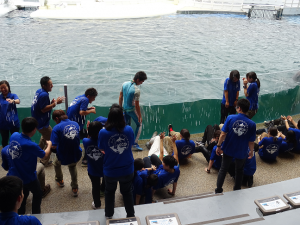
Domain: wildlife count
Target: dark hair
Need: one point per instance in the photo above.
(60, 114)
(10, 189)
(217, 133)
(141, 75)
(244, 104)
(234, 74)
(185, 134)
(252, 75)
(6, 83)
(291, 137)
(91, 92)
(170, 161)
(44, 81)
(273, 132)
(94, 129)
(152, 180)
(29, 124)
(138, 164)
(115, 119)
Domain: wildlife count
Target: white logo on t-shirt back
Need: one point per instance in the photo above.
(74, 102)
(272, 148)
(34, 99)
(186, 150)
(70, 131)
(118, 143)
(240, 127)
(93, 152)
(15, 150)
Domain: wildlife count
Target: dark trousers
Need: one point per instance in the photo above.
(225, 111)
(96, 188)
(83, 134)
(126, 190)
(204, 151)
(239, 171)
(35, 188)
(5, 135)
(154, 160)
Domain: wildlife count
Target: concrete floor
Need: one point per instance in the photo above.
(193, 180)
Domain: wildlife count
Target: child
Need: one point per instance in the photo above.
(11, 195)
(95, 162)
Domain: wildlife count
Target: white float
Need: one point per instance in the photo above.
(6, 7)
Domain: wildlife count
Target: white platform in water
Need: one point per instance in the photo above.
(102, 10)
(5, 8)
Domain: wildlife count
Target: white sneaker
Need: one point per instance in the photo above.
(94, 207)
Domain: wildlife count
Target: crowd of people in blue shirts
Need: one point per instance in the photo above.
(108, 143)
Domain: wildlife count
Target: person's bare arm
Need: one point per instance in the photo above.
(172, 192)
(137, 199)
(245, 82)
(236, 98)
(161, 146)
(281, 135)
(210, 164)
(16, 101)
(292, 120)
(54, 102)
(121, 99)
(138, 111)
(221, 139)
(48, 150)
(286, 122)
(251, 147)
(226, 98)
(175, 148)
(88, 111)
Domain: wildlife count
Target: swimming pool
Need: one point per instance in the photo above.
(186, 58)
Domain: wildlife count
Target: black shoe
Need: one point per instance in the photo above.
(169, 127)
(250, 181)
(269, 123)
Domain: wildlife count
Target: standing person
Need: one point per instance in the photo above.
(9, 121)
(66, 142)
(11, 195)
(131, 94)
(237, 133)
(24, 153)
(78, 110)
(115, 141)
(95, 162)
(230, 95)
(251, 92)
(41, 108)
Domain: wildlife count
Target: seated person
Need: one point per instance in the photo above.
(207, 151)
(167, 170)
(11, 195)
(40, 170)
(296, 130)
(289, 142)
(269, 145)
(249, 170)
(208, 135)
(214, 160)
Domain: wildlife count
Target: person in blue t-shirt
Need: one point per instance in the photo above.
(115, 141)
(237, 133)
(11, 195)
(131, 95)
(295, 130)
(9, 121)
(289, 142)
(95, 162)
(214, 161)
(66, 142)
(167, 168)
(230, 95)
(269, 145)
(251, 92)
(40, 170)
(78, 110)
(101, 119)
(24, 153)
(41, 108)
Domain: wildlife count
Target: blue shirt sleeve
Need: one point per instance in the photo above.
(226, 85)
(175, 181)
(100, 142)
(250, 89)
(54, 137)
(213, 155)
(261, 142)
(84, 104)
(15, 96)
(36, 150)
(43, 100)
(4, 160)
(139, 187)
(225, 127)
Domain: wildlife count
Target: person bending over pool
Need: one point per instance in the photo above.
(9, 121)
(131, 95)
(251, 92)
(78, 110)
(230, 95)
(11, 195)
(66, 142)
(41, 108)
